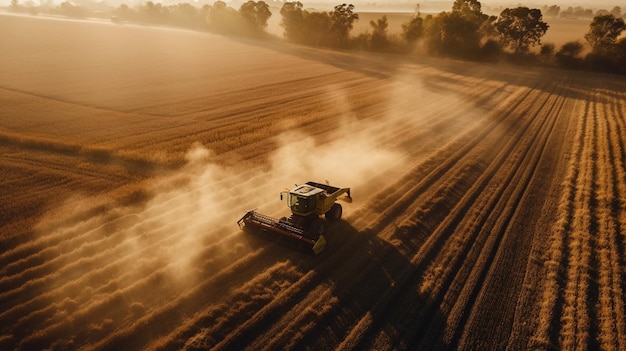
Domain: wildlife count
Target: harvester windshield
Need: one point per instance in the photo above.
(302, 199)
(301, 204)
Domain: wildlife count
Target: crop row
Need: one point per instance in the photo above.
(464, 241)
(380, 254)
(582, 305)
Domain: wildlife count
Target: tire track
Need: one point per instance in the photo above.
(553, 285)
(470, 244)
(577, 316)
(423, 177)
(618, 210)
(592, 285)
(491, 279)
(610, 315)
(404, 275)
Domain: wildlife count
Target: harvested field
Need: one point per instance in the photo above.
(489, 201)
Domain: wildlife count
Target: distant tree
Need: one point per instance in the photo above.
(224, 19)
(433, 32)
(577, 12)
(342, 20)
(572, 49)
(462, 31)
(205, 10)
(546, 52)
(215, 13)
(471, 11)
(552, 10)
(184, 15)
(152, 12)
(467, 7)
(616, 11)
(601, 12)
(569, 55)
(547, 49)
(302, 26)
(487, 31)
(620, 55)
(255, 14)
(378, 38)
(439, 38)
(413, 29)
(123, 12)
(317, 28)
(457, 33)
(68, 9)
(491, 50)
(603, 32)
(567, 13)
(292, 20)
(521, 27)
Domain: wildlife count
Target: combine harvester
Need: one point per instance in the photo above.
(305, 227)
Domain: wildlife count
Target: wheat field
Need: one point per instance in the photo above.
(489, 200)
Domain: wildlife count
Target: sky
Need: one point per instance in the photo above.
(493, 3)
(426, 5)
(563, 3)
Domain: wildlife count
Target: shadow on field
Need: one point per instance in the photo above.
(376, 287)
(381, 66)
(569, 83)
(565, 83)
(83, 152)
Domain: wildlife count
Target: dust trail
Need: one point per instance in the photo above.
(92, 261)
(345, 162)
(198, 206)
(186, 231)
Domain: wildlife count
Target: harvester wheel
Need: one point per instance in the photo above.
(317, 228)
(334, 214)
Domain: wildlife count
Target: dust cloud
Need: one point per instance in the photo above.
(193, 213)
(346, 162)
(184, 230)
(190, 216)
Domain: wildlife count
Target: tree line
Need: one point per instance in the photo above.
(576, 12)
(464, 32)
